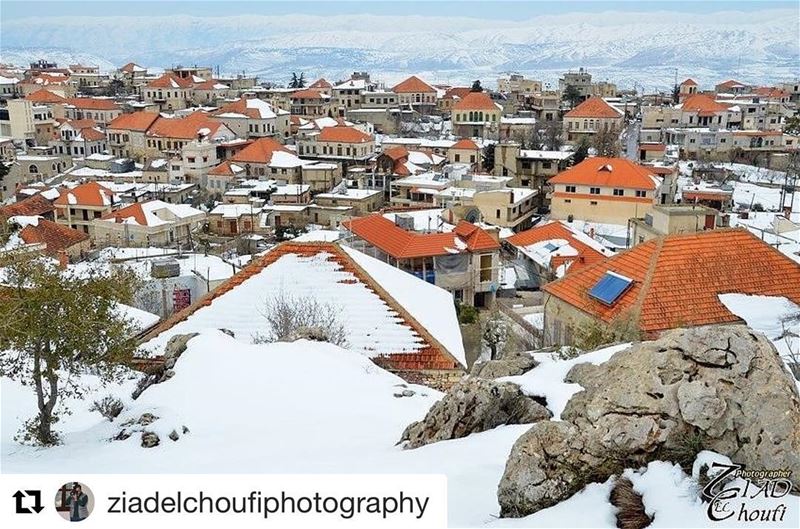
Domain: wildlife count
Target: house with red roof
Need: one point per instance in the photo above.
(464, 261)
(102, 110)
(465, 151)
(668, 282)
(555, 249)
(50, 238)
(251, 117)
(170, 135)
(701, 110)
(132, 74)
(605, 190)
(77, 207)
(169, 92)
(266, 158)
(149, 223)
(687, 88)
(591, 117)
(731, 86)
(402, 323)
(417, 94)
(340, 143)
(78, 138)
(476, 115)
(210, 92)
(126, 134)
(311, 102)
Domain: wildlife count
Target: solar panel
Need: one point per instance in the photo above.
(610, 287)
(550, 247)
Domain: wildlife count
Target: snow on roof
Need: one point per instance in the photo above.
(545, 155)
(291, 190)
(234, 211)
(356, 194)
(319, 236)
(374, 327)
(153, 213)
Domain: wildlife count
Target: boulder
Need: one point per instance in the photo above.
(473, 405)
(150, 440)
(174, 348)
(719, 388)
(508, 365)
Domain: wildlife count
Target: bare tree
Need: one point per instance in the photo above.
(291, 318)
(495, 334)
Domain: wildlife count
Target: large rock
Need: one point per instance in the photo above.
(473, 405)
(173, 350)
(720, 388)
(508, 365)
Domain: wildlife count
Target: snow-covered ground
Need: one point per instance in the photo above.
(312, 407)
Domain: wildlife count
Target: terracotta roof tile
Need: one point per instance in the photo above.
(594, 107)
(431, 356)
(169, 80)
(702, 103)
(92, 103)
(35, 205)
(309, 93)
(136, 121)
(607, 172)
(677, 279)
(260, 151)
(341, 134)
(186, 128)
(475, 101)
(321, 83)
(55, 236)
(88, 194)
(465, 144)
(45, 96)
(401, 244)
(413, 85)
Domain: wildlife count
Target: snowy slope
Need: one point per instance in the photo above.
(625, 46)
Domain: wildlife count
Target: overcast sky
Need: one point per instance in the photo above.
(480, 9)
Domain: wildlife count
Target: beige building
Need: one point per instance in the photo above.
(80, 206)
(675, 218)
(417, 94)
(476, 116)
(311, 102)
(590, 117)
(362, 201)
(605, 190)
(516, 83)
(230, 220)
(126, 134)
(169, 91)
(151, 223)
(508, 208)
(338, 143)
(254, 118)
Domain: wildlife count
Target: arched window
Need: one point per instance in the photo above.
(32, 168)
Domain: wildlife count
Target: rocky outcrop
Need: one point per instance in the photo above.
(508, 365)
(720, 388)
(473, 405)
(172, 351)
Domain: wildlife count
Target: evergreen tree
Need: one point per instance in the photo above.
(55, 327)
(301, 81)
(488, 158)
(572, 95)
(476, 86)
(676, 90)
(582, 151)
(293, 83)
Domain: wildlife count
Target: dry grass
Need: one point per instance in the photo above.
(630, 508)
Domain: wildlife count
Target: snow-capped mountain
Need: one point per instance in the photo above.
(626, 47)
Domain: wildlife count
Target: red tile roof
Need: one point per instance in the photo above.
(35, 205)
(586, 256)
(340, 134)
(45, 96)
(401, 244)
(260, 151)
(136, 121)
(730, 83)
(309, 93)
(475, 101)
(652, 147)
(169, 80)
(88, 194)
(594, 107)
(677, 279)
(702, 103)
(55, 236)
(431, 356)
(91, 103)
(321, 83)
(134, 210)
(130, 67)
(187, 128)
(413, 85)
(689, 82)
(457, 92)
(465, 143)
(607, 172)
(225, 169)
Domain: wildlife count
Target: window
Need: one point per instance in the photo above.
(594, 190)
(641, 194)
(570, 189)
(498, 213)
(619, 192)
(567, 201)
(546, 165)
(593, 203)
(486, 268)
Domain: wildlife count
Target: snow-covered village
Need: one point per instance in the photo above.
(548, 252)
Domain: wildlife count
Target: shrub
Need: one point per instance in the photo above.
(291, 318)
(109, 407)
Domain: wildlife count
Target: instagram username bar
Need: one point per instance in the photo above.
(345, 507)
